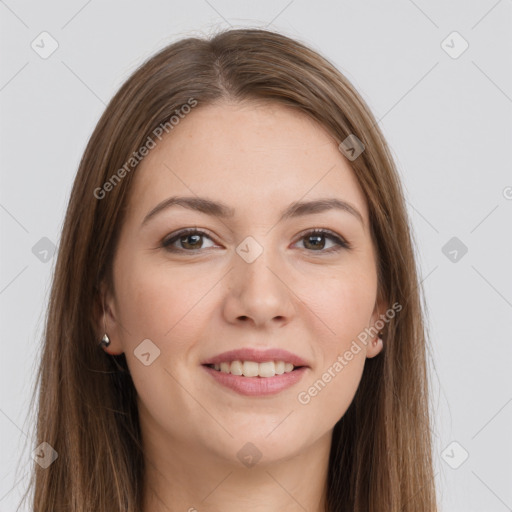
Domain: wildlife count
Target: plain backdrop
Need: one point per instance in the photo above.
(437, 76)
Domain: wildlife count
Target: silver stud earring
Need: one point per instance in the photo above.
(105, 341)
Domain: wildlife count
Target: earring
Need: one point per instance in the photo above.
(380, 336)
(105, 341)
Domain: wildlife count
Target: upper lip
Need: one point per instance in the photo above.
(257, 355)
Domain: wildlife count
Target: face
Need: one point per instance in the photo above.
(244, 278)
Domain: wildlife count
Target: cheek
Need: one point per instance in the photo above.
(164, 306)
(344, 303)
(156, 301)
(328, 396)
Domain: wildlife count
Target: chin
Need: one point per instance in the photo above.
(263, 446)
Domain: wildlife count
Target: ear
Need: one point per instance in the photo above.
(106, 320)
(378, 324)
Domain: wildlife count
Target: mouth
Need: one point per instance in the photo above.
(255, 372)
(253, 369)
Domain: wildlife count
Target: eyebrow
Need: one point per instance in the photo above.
(222, 211)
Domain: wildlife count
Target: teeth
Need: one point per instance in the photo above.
(254, 369)
(250, 369)
(235, 368)
(267, 369)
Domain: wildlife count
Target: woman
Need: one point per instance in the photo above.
(235, 318)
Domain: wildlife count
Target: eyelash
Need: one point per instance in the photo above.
(340, 242)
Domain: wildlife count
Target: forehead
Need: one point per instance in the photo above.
(247, 155)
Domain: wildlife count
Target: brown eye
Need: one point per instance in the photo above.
(190, 240)
(315, 241)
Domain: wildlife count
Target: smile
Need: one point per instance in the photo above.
(253, 368)
(255, 372)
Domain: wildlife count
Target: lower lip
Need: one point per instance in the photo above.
(257, 386)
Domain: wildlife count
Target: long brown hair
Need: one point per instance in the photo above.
(381, 455)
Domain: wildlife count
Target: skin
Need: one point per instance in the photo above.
(256, 158)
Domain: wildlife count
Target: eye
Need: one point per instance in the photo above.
(315, 240)
(190, 240)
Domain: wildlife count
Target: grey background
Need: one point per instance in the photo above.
(448, 121)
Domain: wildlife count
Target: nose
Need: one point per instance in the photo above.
(257, 292)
